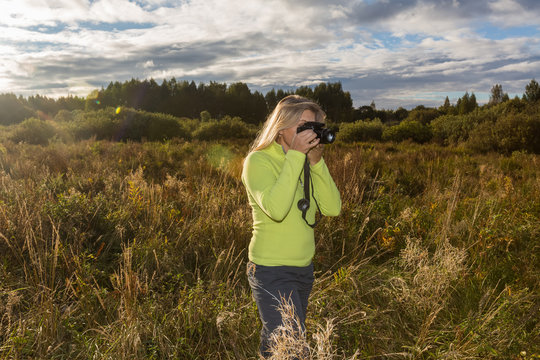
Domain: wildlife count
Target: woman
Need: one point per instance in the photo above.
(283, 244)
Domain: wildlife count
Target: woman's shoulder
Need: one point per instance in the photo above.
(258, 155)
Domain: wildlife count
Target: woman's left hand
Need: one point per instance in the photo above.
(315, 154)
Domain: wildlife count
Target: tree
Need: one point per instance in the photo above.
(423, 115)
(497, 95)
(251, 108)
(305, 91)
(446, 103)
(472, 103)
(401, 114)
(532, 92)
(271, 99)
(466, 103)
(336, 103)
(13, 110)
(364, 112)
(447, 107)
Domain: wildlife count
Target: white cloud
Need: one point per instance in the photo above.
(111, 11)
(433, 46)
(148, 64)
(523, 67)
(508, 13)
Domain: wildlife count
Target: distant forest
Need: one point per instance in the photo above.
(144, 109)
(180, 99)
(187, 99)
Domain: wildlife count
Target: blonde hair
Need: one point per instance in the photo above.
(286, 114)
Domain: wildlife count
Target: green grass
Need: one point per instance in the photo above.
(138, 251)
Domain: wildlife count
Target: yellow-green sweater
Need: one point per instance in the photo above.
(273, 181)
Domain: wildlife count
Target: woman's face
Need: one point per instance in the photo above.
(287, 135)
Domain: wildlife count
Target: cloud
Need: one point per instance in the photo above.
(390, 51)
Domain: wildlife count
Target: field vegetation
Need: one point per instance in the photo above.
(117, 250)
(124, 233)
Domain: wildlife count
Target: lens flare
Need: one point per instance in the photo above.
(219, 157)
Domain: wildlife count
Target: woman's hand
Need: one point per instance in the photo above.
(315, 154)
(304, 141)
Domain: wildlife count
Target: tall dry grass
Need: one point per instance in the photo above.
(138, 250)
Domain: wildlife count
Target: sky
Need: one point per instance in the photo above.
(393, 52)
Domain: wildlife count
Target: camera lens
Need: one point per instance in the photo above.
(327, 136)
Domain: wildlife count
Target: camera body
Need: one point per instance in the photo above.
(327, 136)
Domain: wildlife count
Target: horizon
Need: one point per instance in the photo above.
(397, 53)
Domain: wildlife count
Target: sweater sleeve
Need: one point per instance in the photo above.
(325, 190)
(273, 194)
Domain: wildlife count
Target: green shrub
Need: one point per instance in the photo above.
(138, 125)
(423, 115)
(518, 132)
(511, 132)
(407, 130)
(482, 139)
(33, 131)
(451, 129)
(64, 116)
(361, 131)
(227, 128)
(100, 124)
(190, 124)
(127, 124)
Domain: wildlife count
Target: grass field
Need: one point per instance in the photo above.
(113, 250)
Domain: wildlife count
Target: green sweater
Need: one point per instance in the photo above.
(273, 183)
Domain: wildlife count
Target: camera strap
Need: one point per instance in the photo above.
(304, 203)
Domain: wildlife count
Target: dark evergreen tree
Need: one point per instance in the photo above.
(306, 92)
(13, 110)
(466, 104)
(532, 92)
(363, 113)
(447, 107)
(271, 99)
(400, 114)
(334, 101)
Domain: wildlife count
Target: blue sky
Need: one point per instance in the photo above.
(394, 52)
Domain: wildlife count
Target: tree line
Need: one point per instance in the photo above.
(187, 99)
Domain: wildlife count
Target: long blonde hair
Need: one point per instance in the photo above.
(286, 114)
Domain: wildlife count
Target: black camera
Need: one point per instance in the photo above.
(327, 136)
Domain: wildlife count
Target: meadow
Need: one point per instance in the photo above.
(138, 250)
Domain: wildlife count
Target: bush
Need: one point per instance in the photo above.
(64, 116)
(407, 130)
(423, 115)
(451, 129)
(138, 125)
(33, 131)
(518, 132)
(361, 131)
(100, 124)
(127, 124)
(482, 138)
(511, 132)
(227, 128)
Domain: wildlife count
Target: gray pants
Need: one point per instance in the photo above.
(269, 284)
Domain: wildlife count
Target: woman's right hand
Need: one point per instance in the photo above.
(305, 141)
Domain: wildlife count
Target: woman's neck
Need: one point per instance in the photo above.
(283, 145)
